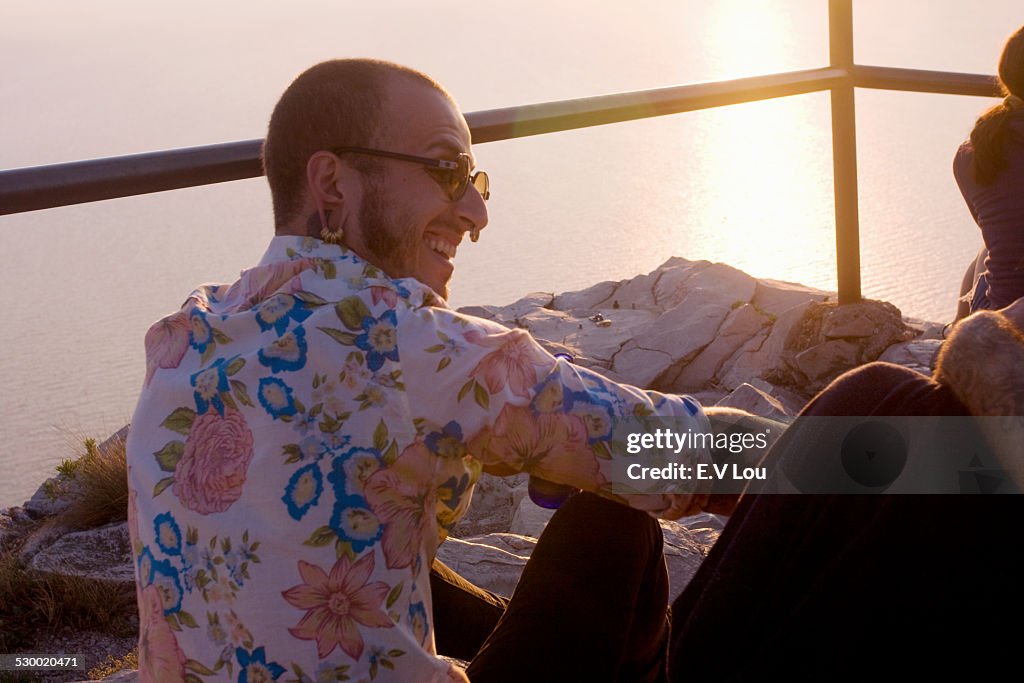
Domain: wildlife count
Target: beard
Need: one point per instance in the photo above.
(391, 239)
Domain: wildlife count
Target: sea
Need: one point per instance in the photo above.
(749, 185)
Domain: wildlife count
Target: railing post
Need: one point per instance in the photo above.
(844, 152)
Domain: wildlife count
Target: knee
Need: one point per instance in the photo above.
(588, 514)
(860, 389)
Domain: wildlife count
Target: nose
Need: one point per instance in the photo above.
(471, 211)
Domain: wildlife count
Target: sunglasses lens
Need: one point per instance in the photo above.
(459, 178)
(482, 184)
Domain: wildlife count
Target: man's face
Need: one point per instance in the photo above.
(407, 224)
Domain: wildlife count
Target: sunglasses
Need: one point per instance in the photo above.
(454, 177)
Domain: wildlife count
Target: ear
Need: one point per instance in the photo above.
(325, 181)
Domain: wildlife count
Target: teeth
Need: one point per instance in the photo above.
(441, 246)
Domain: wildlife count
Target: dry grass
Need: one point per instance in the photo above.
(99, 490)
(31, 603)
(34, 602)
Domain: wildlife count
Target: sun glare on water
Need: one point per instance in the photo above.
(764, 168)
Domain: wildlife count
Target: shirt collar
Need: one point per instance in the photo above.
(291, 247)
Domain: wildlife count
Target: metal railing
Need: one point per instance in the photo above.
(43, 187)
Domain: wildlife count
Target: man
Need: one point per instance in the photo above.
(306, 436)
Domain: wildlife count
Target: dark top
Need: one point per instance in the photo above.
(998, 210)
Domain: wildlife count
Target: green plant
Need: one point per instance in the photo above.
(68, 467)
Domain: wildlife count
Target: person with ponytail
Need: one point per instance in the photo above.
(989, 169)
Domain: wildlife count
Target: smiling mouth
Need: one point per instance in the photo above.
(440, 246)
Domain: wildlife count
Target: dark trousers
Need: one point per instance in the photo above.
(803, 587)
(591, 603)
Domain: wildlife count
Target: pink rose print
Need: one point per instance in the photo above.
(545, 444)
(211, 472)
(401, 496)
(337, 604)
(257, 284)
(512, 363)
(160, 658)
(166, 343)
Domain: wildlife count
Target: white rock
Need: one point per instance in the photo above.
(672, 282)
(495, 561)
(588, 299)
(738, 328)
(776, 297)
(494, 502)
(746, 364)
(753, 400)
(637, 292)
(824, 361)
(529, 518)
(590, 343)
(687, 543)
(757, 358)
(101, 553)
(686, 329)
(639, 367)
(527, 304)
(723, 283)
(917, 355)
(491, 561)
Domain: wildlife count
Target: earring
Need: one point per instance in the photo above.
(332, 236)
(326, 233)
(474, 234)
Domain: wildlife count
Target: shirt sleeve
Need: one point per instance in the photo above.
(518, 408)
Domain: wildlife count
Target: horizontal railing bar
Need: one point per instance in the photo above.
(42, 187)
(919, 80)
(550, 117)
(77, 182)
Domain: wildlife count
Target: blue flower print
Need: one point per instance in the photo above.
(691, 406)
(165, 578)
(418, 621)
(276, 311)
(303, 490)
(276, 397)
(448, 442)
(168, 535)
(209, 383)
(351, 469)
(287, 352)
(145, 566)
(598, 387)
(549, 396)
(595, 413)
(254, 666)
(201, 334)
(354, 522)
(379, 339)
(190, 555)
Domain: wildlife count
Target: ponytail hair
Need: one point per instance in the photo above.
(989, 137)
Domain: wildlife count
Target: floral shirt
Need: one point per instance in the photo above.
(303, 441)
